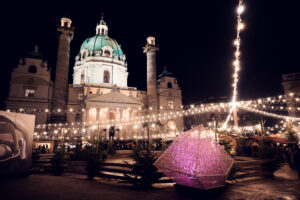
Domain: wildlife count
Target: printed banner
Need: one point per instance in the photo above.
(16, 137)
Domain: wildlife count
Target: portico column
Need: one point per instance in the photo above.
(107, 114)
(131, 121)
(120, 119)
(87, 116)
(97, 121)
(108, 122)
(97, 115)
(138, 114)
(87, 112)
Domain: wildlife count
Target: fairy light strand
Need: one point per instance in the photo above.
(236, 63)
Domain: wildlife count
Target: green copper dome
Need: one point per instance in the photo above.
(96, 43)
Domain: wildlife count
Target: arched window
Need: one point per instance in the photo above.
(32, 69)
(102, 31)
(83, 55)
(78, 117)
(82, 78)
(106, 76)
(107, 53)
(171, 104)
(170, 85)
(29, 92)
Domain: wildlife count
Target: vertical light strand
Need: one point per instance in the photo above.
(236, 64)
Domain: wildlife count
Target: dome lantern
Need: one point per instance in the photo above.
(101, 44)
(101, 28)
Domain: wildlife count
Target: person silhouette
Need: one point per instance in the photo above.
(112, 132)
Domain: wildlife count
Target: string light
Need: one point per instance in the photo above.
(236, 64)
(265, 103)
(288, 118)
(280, 100)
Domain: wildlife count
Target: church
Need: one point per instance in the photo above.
(99, 93)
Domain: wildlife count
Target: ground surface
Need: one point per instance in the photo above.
(73, 186)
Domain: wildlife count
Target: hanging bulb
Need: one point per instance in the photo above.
(236, 42)
(241, 26)
(240, 9)
(236, 63)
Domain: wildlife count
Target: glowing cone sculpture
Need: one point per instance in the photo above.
(196, 160)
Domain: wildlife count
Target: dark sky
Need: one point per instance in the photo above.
(195, 38)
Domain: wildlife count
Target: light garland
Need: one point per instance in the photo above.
(236, 64)
(277, 103)
(76, 133)
(237, 43)
(293, 98)
(264, 103)
(194, 110)
(137, 122)
(288, 118)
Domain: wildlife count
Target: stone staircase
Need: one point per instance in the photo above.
(246, 167)
(42, 164)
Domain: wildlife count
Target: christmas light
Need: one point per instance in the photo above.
(237, 65)
(240, 9)
(287, 118)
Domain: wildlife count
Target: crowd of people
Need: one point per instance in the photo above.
(157, 145)
(42, 148)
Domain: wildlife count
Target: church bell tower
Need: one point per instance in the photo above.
(60, 95)
(150, 50)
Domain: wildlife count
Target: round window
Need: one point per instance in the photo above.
(32, 69)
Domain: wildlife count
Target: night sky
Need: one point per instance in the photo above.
(195, 39)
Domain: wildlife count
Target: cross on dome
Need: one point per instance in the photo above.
(102, 19)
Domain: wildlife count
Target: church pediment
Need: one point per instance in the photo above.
(114, 97)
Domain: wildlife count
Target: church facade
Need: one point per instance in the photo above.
(99, 94)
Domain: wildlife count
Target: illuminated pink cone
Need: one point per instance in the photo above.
(196, 160)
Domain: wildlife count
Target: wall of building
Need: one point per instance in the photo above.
(170, 100)
(78, 94)
(93, 69)
(31, 89)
